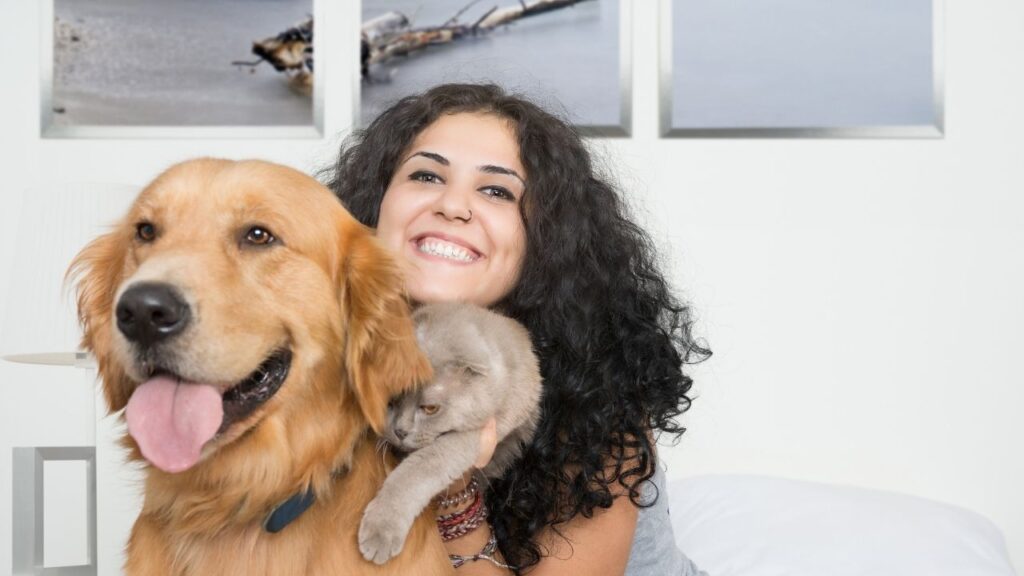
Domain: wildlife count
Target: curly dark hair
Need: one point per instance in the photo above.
(611, 337)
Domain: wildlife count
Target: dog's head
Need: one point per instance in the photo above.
(241, 295)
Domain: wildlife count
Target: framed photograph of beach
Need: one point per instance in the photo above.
(801, 68)
(179, 69)
(571, 56)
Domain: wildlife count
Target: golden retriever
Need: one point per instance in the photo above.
(253, 332)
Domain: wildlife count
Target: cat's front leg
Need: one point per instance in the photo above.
(409, 488)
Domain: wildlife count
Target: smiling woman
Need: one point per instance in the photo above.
(451, 211)
(487, 198)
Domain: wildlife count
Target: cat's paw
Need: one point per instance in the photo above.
(381, 535)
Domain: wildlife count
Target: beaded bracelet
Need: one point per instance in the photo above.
(486, 554)
(459, 524)
(459, 497)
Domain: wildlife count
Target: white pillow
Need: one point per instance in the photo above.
(762, 526)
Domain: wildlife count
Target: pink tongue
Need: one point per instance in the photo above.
(171, 420)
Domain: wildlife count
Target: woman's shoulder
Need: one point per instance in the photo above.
(654, 549)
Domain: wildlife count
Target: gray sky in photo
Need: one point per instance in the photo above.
(168, 62)
(567, 60)
(801, 63)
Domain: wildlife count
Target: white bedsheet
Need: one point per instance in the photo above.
(763, 526)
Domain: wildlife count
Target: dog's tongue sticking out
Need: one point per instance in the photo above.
(171, 420)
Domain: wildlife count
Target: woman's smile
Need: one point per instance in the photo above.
(444, 247)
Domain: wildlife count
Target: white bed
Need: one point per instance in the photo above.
(763, 526)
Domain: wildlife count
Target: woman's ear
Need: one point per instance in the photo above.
(382, 357)
(97, 272)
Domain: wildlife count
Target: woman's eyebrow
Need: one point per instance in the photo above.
(492, 169)
(431, 155)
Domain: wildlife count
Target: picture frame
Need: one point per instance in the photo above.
(54, 125)
(396, 78)
(738, 89)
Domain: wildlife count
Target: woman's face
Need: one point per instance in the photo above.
(451, 211)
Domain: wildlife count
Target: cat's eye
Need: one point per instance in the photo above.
(430, 409)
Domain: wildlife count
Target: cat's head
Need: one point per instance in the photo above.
(452, 402)
(464, 360)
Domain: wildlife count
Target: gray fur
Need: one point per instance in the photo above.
(484, 366)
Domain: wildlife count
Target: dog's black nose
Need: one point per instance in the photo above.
(401, 434)
(149, 312)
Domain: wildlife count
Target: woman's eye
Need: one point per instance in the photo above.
(145, 231)
(259, 236)
(427, 177)
(498, 192)
(430, 409)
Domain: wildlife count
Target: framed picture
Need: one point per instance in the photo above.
(179, 68)
(570, 56)
(801, 68)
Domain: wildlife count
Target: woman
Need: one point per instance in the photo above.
(489, 199)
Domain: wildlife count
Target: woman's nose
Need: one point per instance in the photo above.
(454, 203)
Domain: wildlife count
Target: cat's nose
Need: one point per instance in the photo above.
(401, 434)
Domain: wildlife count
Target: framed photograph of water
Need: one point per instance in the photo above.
(179, 68)
(571, 56)
(801, 68)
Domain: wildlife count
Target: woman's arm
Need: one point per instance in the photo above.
(596, 546)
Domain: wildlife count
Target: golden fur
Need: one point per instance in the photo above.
(327, 291)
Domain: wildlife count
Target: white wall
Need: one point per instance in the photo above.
(863, 298)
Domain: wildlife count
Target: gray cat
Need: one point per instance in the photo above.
(484, 367)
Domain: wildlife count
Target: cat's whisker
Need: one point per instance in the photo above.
(483, 479)
(382, 449)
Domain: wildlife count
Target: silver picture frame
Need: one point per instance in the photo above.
(668, 128)
(29, 503)
(622, 129)
(50, 130)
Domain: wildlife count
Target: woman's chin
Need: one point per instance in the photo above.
(436, 292)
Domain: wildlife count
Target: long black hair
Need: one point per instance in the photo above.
(611, 337)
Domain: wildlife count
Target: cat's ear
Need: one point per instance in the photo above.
(475, 369)
(382, 357)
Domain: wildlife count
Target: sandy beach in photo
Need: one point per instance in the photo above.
(169, 63)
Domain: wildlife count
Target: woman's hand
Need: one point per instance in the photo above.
(475, 540)
(488, 442)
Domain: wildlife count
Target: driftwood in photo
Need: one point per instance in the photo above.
(388, 36)
(391, 35)
(290, 52)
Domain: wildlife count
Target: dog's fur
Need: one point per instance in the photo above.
(327, 291)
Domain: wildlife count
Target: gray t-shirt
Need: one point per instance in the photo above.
(654, 551)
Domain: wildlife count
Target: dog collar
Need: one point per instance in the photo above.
(286, 512)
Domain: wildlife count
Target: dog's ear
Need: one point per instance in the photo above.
(97, 272)
(382, 356)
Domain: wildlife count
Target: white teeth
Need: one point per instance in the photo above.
(446, 250)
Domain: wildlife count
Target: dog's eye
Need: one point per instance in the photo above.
(430, 409)
(145, 231)
(259, 236)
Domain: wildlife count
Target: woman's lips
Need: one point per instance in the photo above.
(449, 239)
(439, 247)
